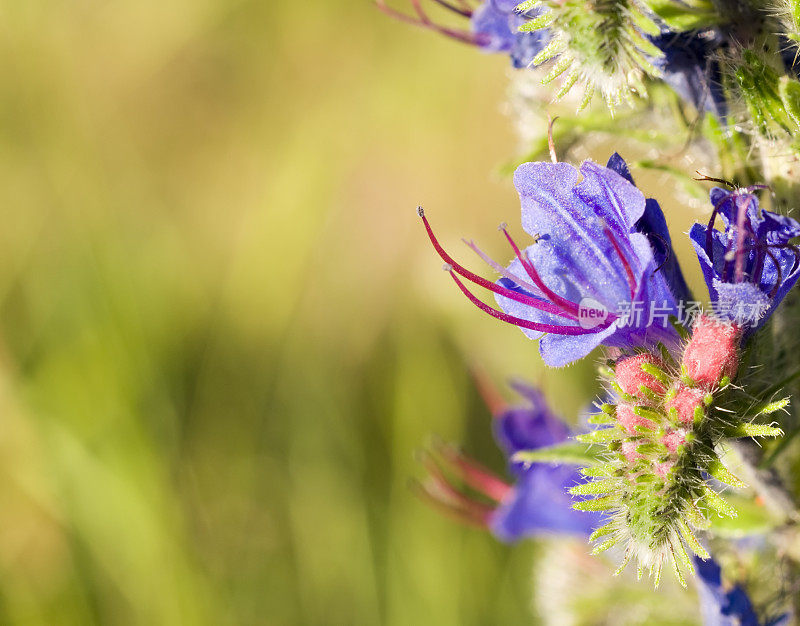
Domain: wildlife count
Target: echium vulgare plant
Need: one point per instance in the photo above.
(696, 422)
(601, 272)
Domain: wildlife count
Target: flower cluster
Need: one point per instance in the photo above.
(672, 397)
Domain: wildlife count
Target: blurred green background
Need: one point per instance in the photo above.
(224, 333)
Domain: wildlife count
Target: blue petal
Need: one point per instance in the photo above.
(540, 503)
(528, 427)
(690, 68)
(718, 606)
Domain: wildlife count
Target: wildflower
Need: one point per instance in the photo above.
(536, 502)
(751, 265)
(592, 275)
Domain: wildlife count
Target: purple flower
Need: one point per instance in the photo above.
(691, 69)
(496, 26)
(536, 502)
(591, 277)
(540, 500)
(751, 265)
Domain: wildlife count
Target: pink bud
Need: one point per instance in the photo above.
(685, 402)
(662, 469)
(629, 420)
(674, 439)
(630, 376)
(712, 352)
(629, 451)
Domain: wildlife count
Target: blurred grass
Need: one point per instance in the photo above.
(223, 331)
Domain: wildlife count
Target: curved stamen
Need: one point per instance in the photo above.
(628, 269)
(541, 305)
(567, 305)
(475, 475)
(461, 11)
(424, 21)
(518, 321)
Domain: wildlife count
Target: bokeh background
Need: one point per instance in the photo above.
(223, 332)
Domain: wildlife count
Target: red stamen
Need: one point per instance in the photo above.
(568, 305)
(518, 321)
(541, 305)
(476, 476)
(424, 21)
(469, 513)
(491, 397)
(625, 264)
(461, 11)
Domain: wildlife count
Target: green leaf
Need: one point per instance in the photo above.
(570, 452)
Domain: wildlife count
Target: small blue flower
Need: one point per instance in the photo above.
(691, 69)
(751, 265)
(537, 502)
(496, 26)
(592, 276)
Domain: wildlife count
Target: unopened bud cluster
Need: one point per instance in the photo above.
(670, 414)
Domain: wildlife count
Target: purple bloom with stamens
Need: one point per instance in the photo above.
(751, 265)
(592, 276)
(538, 500)
(496, 26)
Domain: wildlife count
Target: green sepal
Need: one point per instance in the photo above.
(568, 452)
(724, 475)
(605, 529)
(603, 435)
(596, 487)
(755, 430)
(692, 541)
(537, 23)
(676, 569)
(605, 546)
(716, 502)
(598, 504)
(601, 419)
(789, 91)
(772, 407)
